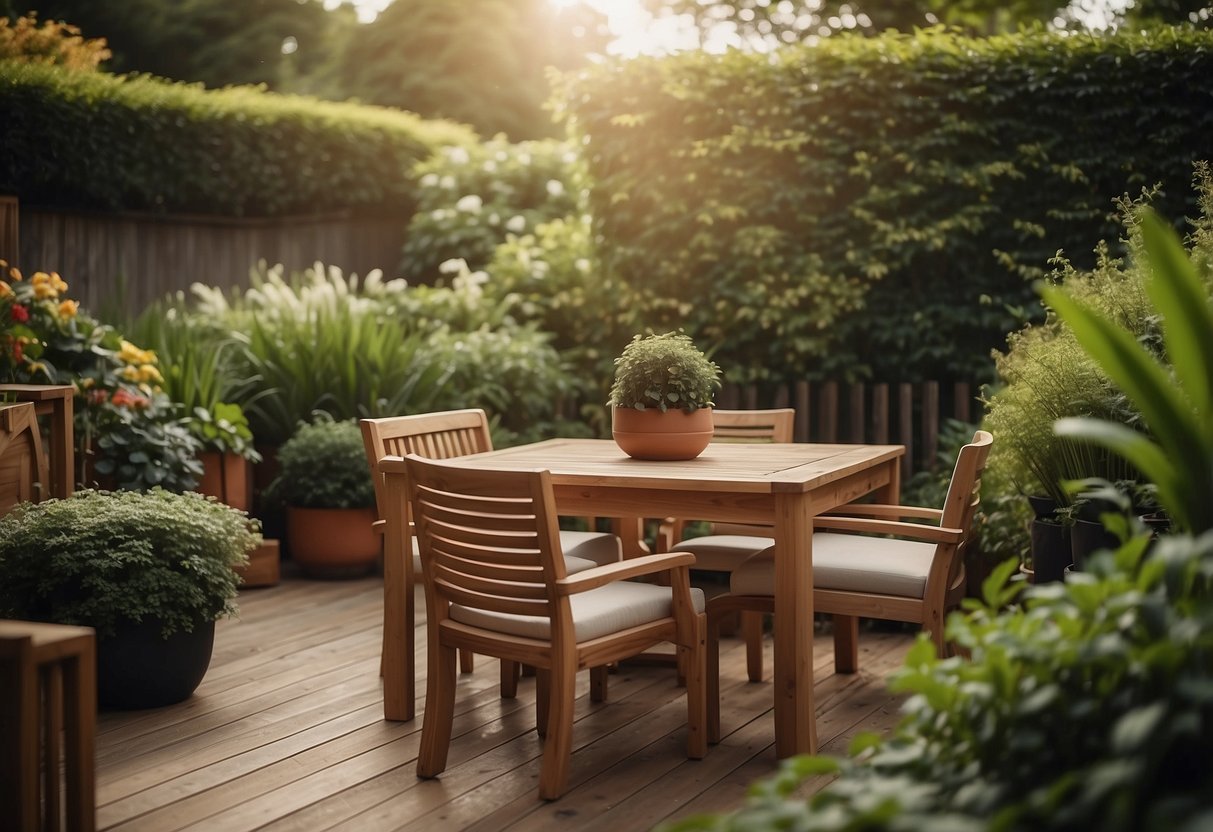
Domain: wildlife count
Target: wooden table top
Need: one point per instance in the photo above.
(754, 468)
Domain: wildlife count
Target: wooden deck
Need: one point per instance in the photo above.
(287, 732)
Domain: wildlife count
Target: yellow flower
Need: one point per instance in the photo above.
(130, 354)
(148, 372)
(130, 373)
(5, 289)
(68, 309)
(43, 288)
(58, 282)
(14, 273)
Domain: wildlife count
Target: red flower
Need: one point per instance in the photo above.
(98, 396)
(20, 313)
(122, 398)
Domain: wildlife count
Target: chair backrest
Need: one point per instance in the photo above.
(23, 473)
(964, 493)
(442, 435)
(775, 425)
(488, 539)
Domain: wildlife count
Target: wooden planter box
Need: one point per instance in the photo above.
(262, 569)
(228, 477)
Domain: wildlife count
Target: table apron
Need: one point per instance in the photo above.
(605, 500)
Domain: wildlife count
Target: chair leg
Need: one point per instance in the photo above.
(712, 671)
(509, 679)
(598, 683)
(751, 629)
(558, 745)
(697, 706)
(543, 689)
(846, 643)
(439, 711)
(937, 638)
(466, 663)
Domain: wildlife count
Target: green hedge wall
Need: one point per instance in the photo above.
(96, 141)
(879, 205)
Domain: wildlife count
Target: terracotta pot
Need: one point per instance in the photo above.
(332, 542)
(651, 434)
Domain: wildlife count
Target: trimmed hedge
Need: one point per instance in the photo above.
(879, 206)
(80, 140)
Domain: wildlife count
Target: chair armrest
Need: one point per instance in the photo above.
(886, 512)
(914, 531)
(629, 568)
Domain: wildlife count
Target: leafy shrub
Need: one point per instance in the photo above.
(877, 205)
(324, 466)
(471, 197)
(53, 42)
(99, 559)
(97, 141)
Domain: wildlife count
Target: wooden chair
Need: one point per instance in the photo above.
(23, 472)
(720, 550)
(496, 582)
(916, 575)
(445, 435)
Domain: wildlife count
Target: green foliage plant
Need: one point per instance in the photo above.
(102, 558)
(200, 374)
(1175, 398)
(877, 206)
(664, 372)
(324, 466)
(473, 197)
(89, 140)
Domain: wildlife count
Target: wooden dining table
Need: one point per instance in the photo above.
(782, 485)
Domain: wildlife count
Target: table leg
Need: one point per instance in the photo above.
(795, 721)
(399, 674)
(890, 494)
(630, 531)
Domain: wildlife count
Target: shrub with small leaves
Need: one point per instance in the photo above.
(664, 371)
(324, 466)
(101, 558)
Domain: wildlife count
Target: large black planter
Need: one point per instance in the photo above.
(1050, 551)
(1087, 538)
(137, 668)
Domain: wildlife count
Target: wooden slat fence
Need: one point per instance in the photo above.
(136, 258)
(878, 412)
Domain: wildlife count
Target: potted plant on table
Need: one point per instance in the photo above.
(662, 398)
(326, 484)
(151, 572)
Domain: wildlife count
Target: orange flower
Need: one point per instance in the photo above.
(68, 309)
(5, 289)
(14, 273)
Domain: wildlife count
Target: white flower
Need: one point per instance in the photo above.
(582, 264)
(555, 187)
(470, 204)
(429, 180)
(458, 155)
(447, 182)
(453, 266)
(516, 224)
(490, 166)
(494, 218)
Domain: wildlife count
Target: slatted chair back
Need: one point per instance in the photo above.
(23, 473)
(960, 504)
(441, 435)
(741, 426)
(489, 539)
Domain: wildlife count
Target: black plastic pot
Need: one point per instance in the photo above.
(1050, 551)
(138, 668)
(1043, 507)
(1087, 538)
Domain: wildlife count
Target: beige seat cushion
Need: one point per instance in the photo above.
(582, 551)
(722, 552)
(596, 613)
(847, 562)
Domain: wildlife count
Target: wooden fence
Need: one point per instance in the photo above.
(875, 412)
(127, 260)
